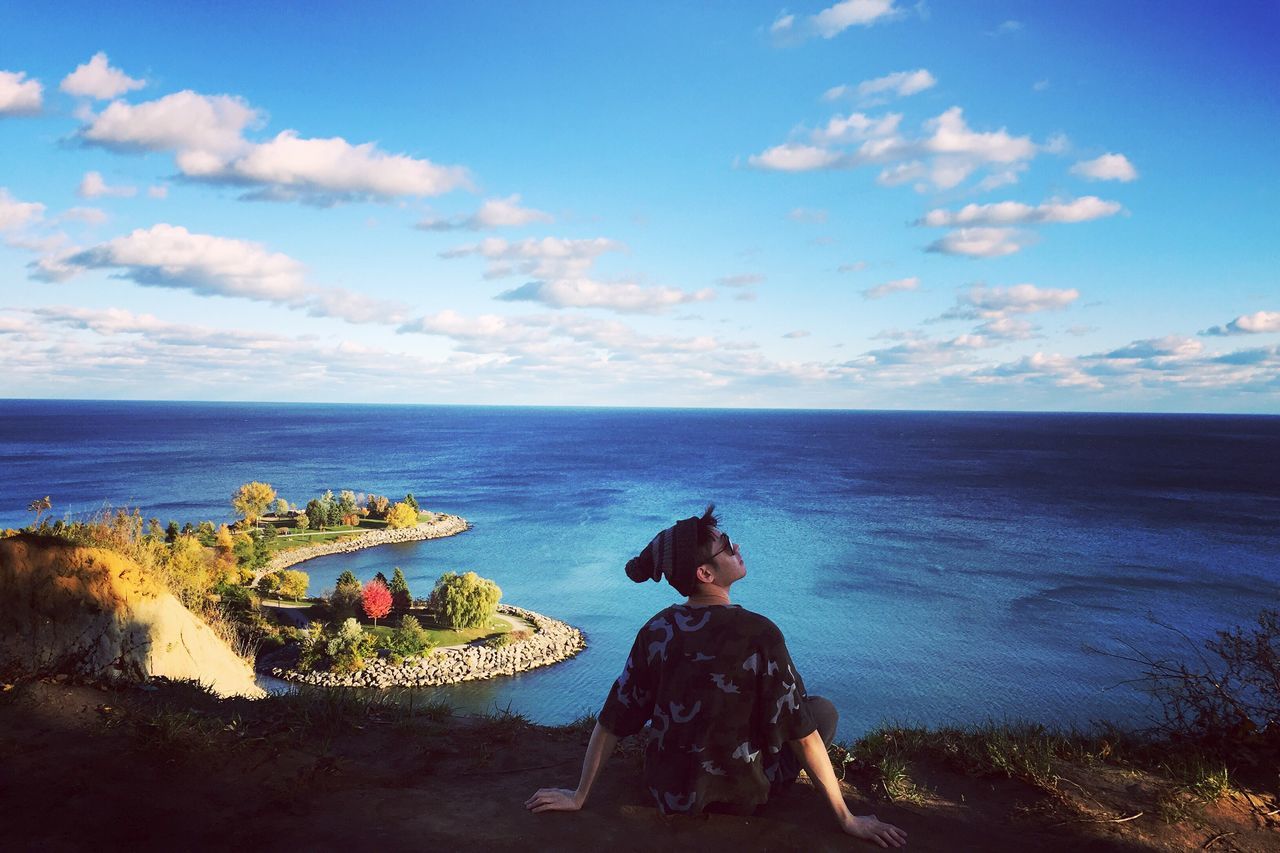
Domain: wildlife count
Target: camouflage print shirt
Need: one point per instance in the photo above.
(722, 698)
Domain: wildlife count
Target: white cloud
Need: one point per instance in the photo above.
(991, 303)
(835, 93)
(1005, 329)
(87, 215)
(899, 83)
(832, 21)
(493, 213)
(1058, 370)
(1259, 322)
(562, 268)
(1040, 86)
(782, 24)
(856, 266)
(798, 333)
(960, 150)
(742, 280)
(201, 128)
(1171, 346)
(97, 79)
(946, 154)
(326, 170)
(1015, 213)
(116, 349)
(810, 215)
(982, 242)
(170, 256)
(158, 191)
(206, 134)
(795, 157)
(15, 214)
(546, 257)
(18, 95)
(899, 285)
(622, 297)
(1108, 167)
(92, 185)
(856, 127)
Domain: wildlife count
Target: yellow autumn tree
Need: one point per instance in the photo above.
(252, 499)
(402, 515)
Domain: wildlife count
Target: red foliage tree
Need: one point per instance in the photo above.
(376, 599)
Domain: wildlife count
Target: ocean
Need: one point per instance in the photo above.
(928, 567)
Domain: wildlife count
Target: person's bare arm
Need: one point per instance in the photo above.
(562, 799)
(813, 755)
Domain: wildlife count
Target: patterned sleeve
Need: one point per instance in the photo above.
(785, 713)
(631, 698)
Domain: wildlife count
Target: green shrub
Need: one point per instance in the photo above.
(507, 639)
(464, 601)
(409, 639)
(347, 648)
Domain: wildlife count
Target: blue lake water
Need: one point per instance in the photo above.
(932, 567)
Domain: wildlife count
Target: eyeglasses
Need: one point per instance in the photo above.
(726, 544)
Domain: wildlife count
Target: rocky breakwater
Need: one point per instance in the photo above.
(441, 526)
(551, 642)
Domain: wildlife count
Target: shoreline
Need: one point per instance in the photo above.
(552, 641)
(444, 525)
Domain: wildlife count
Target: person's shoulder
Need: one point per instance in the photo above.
(657, 620)
(755, 623)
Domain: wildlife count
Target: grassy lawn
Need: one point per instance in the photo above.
(446, 636)
(286, 541)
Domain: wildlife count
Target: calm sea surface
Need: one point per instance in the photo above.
(931, 567)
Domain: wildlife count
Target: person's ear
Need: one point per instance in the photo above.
(704, 574)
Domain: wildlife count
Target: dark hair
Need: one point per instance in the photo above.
(707, 543)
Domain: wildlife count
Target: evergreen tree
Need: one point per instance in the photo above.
(400, 595)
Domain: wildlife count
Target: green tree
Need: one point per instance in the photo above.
(409, 499)
(399, 587)
(252, 499)
(347, 502)
(345, 600)
(301, 522)
(171, 532)
(282, 507)
(293, 583)
(378, 506)
(317, 512)
(269, 584)
(402, 515)
(190, 571)
(465, 601)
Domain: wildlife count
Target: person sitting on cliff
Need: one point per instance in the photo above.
(730, 721)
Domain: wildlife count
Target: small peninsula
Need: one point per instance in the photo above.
(124, 585)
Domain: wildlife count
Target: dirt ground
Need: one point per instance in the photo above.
(172, 769)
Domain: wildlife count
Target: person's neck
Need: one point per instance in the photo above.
(708, 596)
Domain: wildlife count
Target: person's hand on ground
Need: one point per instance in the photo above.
(553, 800)
(868, 828)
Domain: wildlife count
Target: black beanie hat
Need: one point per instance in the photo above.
(672, 554)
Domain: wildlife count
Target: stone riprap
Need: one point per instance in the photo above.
(551, 642)
(444, 525)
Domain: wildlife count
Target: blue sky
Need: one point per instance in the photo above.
(871, 204)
